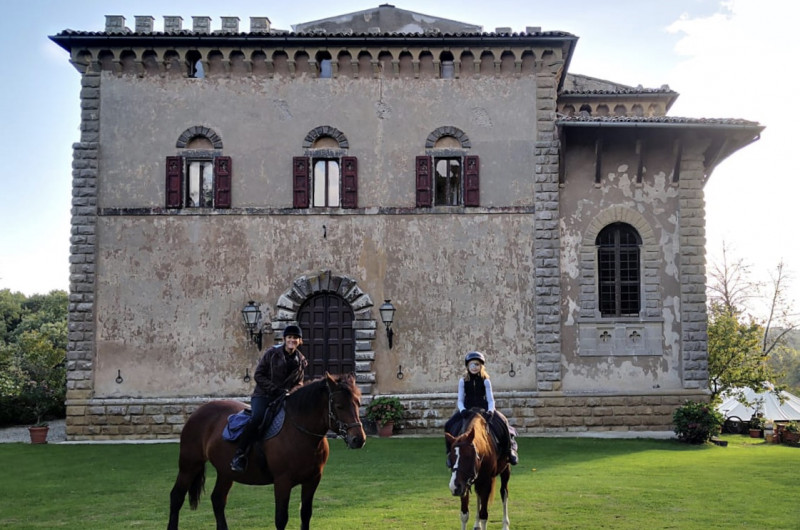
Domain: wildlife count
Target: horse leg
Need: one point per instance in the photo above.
(191, 478)
(504, 478)
(219, 498)
(483, 492)
(464, 510)
(283, 492)
(176, 498)
(307, 501)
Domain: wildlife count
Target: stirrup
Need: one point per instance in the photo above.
(239, 463)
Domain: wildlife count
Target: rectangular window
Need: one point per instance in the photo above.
(200, 187)
(326, 183)
(195, 182)
(447, 182)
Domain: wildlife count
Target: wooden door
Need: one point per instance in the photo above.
(328, 341)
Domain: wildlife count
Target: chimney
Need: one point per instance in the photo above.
(230, 24)
(259, 24)
(502, 30)
(173, 24)
(533, 29)
(115, 24)
(201, 24)
(144, 24)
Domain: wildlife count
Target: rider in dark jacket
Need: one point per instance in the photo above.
(280, 369)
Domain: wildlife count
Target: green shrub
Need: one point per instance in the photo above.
(384, 409)
(696, 423)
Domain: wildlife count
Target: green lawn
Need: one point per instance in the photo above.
(401, 483)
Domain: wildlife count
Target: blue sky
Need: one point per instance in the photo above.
(726, 59)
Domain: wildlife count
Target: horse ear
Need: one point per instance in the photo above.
(331, 380)
(448, 440)
(470, 435)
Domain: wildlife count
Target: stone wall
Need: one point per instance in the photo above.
(531, 413)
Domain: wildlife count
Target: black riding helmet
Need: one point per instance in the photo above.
(474, 356)
(293, 330)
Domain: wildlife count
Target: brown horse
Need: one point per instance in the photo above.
(474, 460)
(297, 455)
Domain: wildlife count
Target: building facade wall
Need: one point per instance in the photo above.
(156, 294)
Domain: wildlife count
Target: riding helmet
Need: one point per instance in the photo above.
(474, 356)
(291, 329)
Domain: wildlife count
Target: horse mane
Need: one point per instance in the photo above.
(306, 396)
(482, 441)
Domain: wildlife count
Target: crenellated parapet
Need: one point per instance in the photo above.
(265, 52)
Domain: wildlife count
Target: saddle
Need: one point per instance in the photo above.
(272, 425)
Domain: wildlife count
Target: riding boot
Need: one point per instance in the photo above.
(239, 462)
(513, 457)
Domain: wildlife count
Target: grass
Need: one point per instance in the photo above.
(400, 483)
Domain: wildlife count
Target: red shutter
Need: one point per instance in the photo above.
(472, 188)
(174, 180)
(349, 182)
(300, 181)
(223, 171)
(424, 185)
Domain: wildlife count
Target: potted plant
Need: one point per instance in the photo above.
(791, 432)
(39, 396)
(757, 427)
(385, 411)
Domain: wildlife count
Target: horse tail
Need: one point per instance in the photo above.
(197, 487)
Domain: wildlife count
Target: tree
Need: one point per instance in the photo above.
(33, 343)
(739, 345)
(734, 352)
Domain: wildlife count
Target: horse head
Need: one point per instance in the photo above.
(344, 400)
(465, 460)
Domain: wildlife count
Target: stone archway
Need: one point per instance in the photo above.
(364, 325)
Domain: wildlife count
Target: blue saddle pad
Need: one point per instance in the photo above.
(238, 421)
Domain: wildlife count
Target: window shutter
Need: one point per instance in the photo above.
(349, 182)
(223, 170)
(174, 180)
(424, 185)
(300, 181)
(472, 195)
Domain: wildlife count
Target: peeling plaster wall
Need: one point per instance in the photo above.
(172, 289)
(263, 122)
(652, 207)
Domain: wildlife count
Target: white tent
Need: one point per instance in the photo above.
(765, 402)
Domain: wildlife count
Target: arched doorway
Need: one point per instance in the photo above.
(328, 340)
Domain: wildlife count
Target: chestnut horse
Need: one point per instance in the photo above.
(297, 455)
(473, 459)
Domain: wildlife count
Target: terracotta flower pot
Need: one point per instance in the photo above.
(38, 434)
(385, 429)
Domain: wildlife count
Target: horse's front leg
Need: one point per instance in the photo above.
(307, 501)
(283, 492)
(464, 510)
(504, 478)
(482, 493)
(219, 498)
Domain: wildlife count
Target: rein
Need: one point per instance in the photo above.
(341, 427)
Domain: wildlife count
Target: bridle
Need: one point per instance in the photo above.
(475, 470)
(340, 428)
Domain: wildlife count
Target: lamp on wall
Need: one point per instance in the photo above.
(252, 321)
(387, 315)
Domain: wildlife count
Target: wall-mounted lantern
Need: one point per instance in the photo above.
(387, 316)
(252, 321)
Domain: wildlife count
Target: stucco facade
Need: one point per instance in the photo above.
(504, 262)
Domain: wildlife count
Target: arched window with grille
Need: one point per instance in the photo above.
(619, 270)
